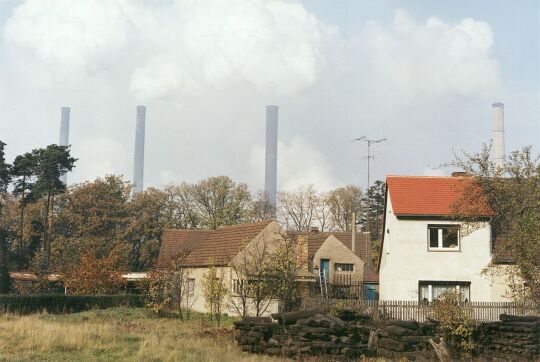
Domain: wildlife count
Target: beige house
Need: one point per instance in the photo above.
(225, 248)
(335, 257)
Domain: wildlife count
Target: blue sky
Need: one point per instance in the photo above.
(421, 73)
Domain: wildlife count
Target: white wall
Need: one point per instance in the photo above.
(406, 260)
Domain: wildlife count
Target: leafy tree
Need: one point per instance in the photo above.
(214, 291)
(343, 202)
(91, 216)
(5, 280)
(51, 163)
(158, 291)
(5, 169)
(24, 167)
(374, 208)
(180, 212)
(220, 201)
(95, 275)
(288, 259)
(147, 219)
(513, 195)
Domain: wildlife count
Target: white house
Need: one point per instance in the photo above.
(425, 250)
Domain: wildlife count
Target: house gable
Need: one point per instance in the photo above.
(336, 252)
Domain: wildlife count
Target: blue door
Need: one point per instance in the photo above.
(325, 268)
(370, 292)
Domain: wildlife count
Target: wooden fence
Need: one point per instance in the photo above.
(412, 310)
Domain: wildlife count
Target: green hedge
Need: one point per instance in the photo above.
(61, 303)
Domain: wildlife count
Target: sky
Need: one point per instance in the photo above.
(422, 74)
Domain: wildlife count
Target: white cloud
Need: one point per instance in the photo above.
(206, 68)
(298, 164)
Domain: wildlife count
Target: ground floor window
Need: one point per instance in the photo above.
(342, 267)
(428, 291)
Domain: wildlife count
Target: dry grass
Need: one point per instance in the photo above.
(119, 334)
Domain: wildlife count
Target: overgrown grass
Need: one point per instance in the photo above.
(117, 334)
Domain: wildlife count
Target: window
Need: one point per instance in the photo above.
(341, 267)
(191, 287)
(443, 237)
(428, 291)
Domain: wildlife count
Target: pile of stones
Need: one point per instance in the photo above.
(304, 333)
(513, 338)
(409, 339)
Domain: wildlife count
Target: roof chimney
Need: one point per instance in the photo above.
(460, 174)
(498, 135)
(270, 176)
(64, 133)
(314, 229)
(138, 164)
(353, 230)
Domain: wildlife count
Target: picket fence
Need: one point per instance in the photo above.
(412, 310)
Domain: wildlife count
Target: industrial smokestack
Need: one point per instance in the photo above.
(64, 133)
(138, 164)
(498, 134)
(270, 176)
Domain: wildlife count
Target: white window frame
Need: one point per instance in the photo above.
(440, 246)
(430, 284)
(343, 271)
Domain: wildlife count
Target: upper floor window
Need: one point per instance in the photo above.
(341, 267)
(443, 237)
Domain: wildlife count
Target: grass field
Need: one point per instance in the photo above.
(117, 334)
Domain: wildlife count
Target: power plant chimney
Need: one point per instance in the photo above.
(270, 176)
(138, 164)
(64, 133)
(498, 134)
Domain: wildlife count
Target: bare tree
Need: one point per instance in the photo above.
(252, 270)
(342, 203)
(220, 201)
(182, 286)
(261, 208)
(298, 209)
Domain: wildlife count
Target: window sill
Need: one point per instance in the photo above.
(440, 250)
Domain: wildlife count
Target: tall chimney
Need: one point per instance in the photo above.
(64, 133)
(138, 164)
(270, 176)
(498, 134)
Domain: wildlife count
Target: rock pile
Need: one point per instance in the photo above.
(304, 333)
(513, 338)
(408, 339)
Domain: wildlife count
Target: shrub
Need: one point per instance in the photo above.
(454, 321)
(61, 303)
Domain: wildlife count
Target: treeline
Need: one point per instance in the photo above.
(48, 227)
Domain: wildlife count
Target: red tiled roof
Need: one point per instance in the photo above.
(316, 239)
(225, 243)
(434, 195)
(174, 241)
(221, 244)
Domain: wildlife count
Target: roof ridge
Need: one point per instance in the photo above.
(262, 222)
(425, 176)
(190, 230)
